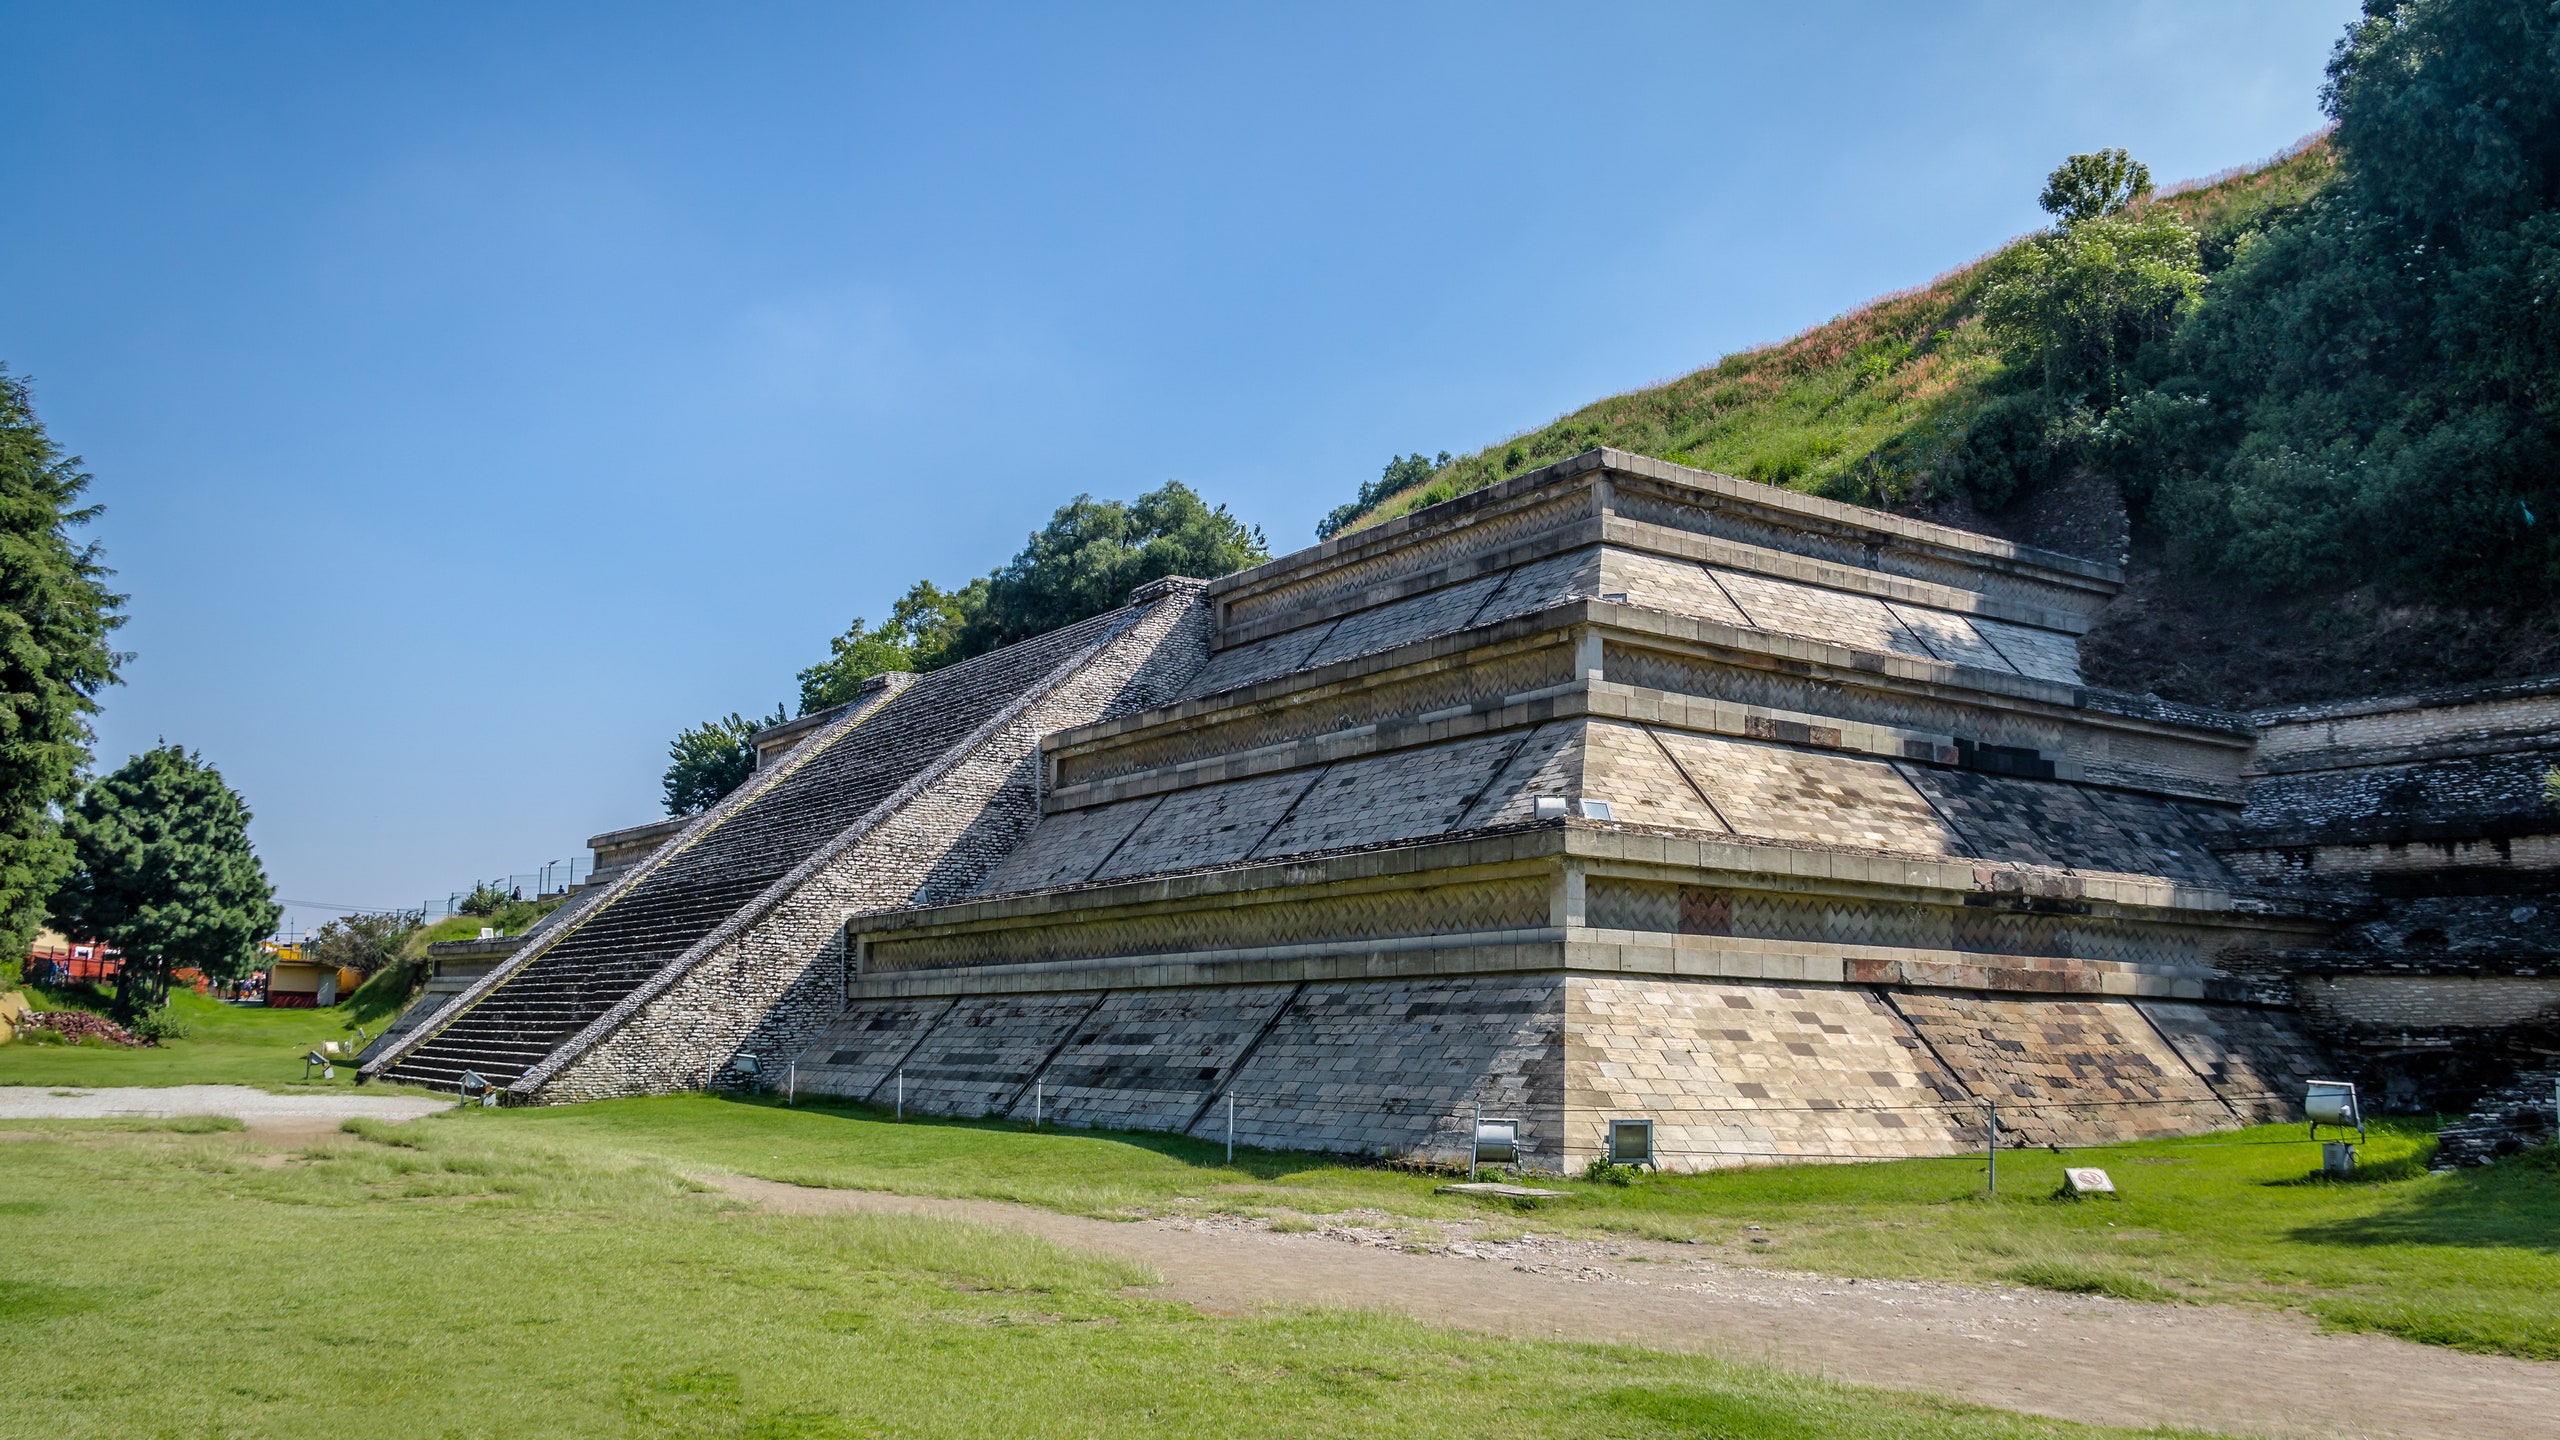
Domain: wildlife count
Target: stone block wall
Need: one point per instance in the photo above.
(1730, 1072)
(1399, 1068)
(2082, 1071)
(1156, 1059)
(772, 978)
(1735, 1074)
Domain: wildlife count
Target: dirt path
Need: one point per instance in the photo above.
(2101, 1361)
(274, 1118)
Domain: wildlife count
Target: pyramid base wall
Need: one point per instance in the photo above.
(1730, 1072)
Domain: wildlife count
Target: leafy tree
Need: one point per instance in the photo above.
(2381, 369)
(56, 614)
(922, 631)
(2078, 305)
(711, 759)
(1092, 553)
(363, 943)
(1403, 472)
(2091, 187)
(165, 873)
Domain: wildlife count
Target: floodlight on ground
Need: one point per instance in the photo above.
(752, 1068)
(2333, 1102)
(1497, 1143)
(476, 1087)
(1631, 1142)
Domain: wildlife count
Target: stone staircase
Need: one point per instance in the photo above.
(554, 991)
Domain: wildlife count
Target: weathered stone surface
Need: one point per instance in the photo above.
(2064, 1072)
(1873, 856)
(1738, 1074)
(1400, 1069)
(1155, 1059)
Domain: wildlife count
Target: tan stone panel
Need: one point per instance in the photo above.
(1542, 583)
(1416, 617)
(1735, 1073)
(2066, 1072)
(1212, 825)
(2039, 653)
(1951, 638)
(1064, 848)
(1622, 765)
(1262, 660)
(1399, 796)
(2257, 1060)
(1657, 582)
(1788, 794)
(1860, 622)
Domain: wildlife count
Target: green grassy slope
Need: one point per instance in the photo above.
(481, 1275)
(1855, 408)
(227, 1045)
(2464, 1259)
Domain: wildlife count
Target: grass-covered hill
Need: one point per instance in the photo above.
(1862, 408)
(2313, 406)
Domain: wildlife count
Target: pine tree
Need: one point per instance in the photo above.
(55, 616)
(165, 874)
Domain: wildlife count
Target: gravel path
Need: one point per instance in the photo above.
(274, 1116)
(2214, 1367)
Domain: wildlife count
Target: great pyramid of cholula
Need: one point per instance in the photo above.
(1615, 791)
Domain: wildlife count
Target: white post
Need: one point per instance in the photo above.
(1035, 1104)
(791, 1084)
(902, 1092)
(1475, 1129)
(1231, 1127)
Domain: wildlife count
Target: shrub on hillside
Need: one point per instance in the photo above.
(2382, 364)
(367, 943)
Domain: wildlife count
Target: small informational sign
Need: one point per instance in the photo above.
(2084, 1181)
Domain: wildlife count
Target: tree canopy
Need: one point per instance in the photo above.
(364, 943)
(707, 761)
(1092, 553)
(56, 615)
(2373, 387)
(1085, 561)
(2094, 186)
(164, 872)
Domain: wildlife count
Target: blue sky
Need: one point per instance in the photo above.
(479, 394)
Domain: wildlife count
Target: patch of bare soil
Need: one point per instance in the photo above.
(2214, 641)
(2073, 1357)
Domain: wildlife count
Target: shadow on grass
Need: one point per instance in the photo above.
(1198, 1154)
(2514, 1205)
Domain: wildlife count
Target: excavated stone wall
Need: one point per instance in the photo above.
(1731, 1073)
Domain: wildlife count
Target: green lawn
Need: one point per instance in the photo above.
(511, 1274)
(230, 1045)
(2470, 1260)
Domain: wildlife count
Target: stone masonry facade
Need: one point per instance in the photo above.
(1614, 791)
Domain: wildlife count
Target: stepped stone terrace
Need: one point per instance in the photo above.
(1618, 790)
